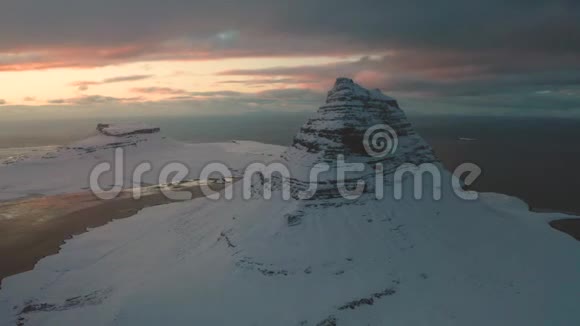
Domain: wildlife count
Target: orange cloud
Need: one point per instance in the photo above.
(83, 85)
(159, 90)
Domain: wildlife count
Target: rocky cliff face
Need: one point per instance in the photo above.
(341, 127)
(120, 130)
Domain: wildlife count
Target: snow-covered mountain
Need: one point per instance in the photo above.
(322, 261)
(339, 127)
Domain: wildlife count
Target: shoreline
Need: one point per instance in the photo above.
(570, 226)
(36, 227)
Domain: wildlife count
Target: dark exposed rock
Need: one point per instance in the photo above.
(248, 263)
(265, 269)
(339, 128)
(110, 130)
(294, 218)
(93, 298)
(329, 321)
(367, 301)
(223, 235)
(271, 272)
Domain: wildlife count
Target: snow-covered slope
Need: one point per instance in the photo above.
(67, 168)
(309, 262)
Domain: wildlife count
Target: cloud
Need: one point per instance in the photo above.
(29, 99)
(158, 90)
(84, 34)
(565, 102)
(119, 79)
(205, 103)
(287, 100)
(84, 85)
(57, 101)
(276, 99)
(460, 51)
(263, 82)
(216, 93)
(441, 79)
(94, 99)
(430, 74)
(294, 95)
(265, 97)
(183, 93)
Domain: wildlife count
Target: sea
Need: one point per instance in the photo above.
(534, 159)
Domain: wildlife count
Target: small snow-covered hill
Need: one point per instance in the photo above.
(318, 262)
(67, 168)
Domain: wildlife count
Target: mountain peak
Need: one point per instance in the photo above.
(351, 114)
(343, 80)
(345, 89)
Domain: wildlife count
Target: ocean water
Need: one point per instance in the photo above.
(274, 128)
(12, 154)
(537, 160)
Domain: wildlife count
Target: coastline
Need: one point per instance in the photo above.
(36, 227)
(570, 226)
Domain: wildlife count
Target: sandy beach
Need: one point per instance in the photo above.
(33, 228)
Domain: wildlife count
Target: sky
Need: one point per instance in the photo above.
(64, 58)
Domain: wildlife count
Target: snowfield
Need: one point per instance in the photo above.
(67, 168)
(367, 262)
(318, 262)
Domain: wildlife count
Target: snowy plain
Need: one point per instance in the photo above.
(67, 169)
